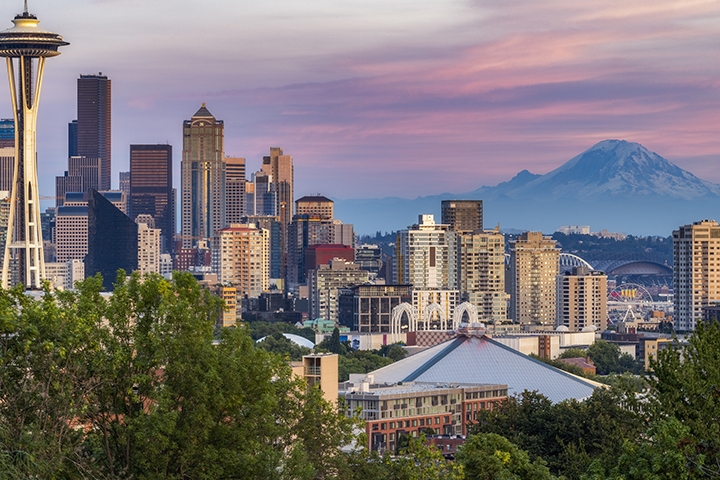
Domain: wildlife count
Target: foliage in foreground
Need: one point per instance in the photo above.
(132, 386)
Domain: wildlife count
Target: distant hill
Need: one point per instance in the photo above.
(615, 185)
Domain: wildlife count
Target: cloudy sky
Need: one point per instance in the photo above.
(392, 97)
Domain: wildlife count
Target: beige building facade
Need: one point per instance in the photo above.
(324, 286)
(534, 267)
(696, 271)
(481, 268)
(241, 258)
(582, 299)
(426, 256)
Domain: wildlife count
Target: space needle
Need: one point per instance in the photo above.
(30, 46)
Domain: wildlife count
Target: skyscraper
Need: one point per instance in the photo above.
(426, 256)
(241, 256)
(534, 266)
(280, 168)
(30, 46)
(151, 191)
(582, 299)
(112, 240)
(93, 123)
(234, 190)
(696, 278)
(203, 177)
(481, 267)
(463, 215)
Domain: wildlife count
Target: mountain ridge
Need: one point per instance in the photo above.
(615, 184)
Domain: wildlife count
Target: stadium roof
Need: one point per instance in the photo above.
(479, 359)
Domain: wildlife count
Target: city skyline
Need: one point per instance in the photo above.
(495, 87)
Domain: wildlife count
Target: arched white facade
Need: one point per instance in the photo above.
(397, 314)
(460, 310)
(428, 314)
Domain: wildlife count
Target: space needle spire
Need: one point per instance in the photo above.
(25, 47)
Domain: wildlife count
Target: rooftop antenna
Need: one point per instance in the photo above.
(26, 7)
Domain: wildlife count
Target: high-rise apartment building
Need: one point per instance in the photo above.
(582, 299)
(325, 283)
(426, 256)
(481, 268)
(93, 124)
(148, 245)
(151, 190)
(463, 215)
(534, 267)
(203, 177)
(234, 190)
(241, 258)
(696, 271)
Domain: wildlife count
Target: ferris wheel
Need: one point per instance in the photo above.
(630, 293)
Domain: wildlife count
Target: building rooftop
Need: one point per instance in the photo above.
(473, 359)
(417, 387)
(314, 198)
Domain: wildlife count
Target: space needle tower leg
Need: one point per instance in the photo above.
(29, 45)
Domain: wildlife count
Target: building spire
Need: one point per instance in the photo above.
(26, 8)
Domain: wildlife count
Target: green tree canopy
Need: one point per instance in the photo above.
(492, 457)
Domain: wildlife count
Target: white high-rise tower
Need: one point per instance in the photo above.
(30, 46)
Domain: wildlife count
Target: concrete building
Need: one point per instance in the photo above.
(94, 125)
(148, 245)
(325, 283)
(582, 299)
(696, 276)
(71, 233)
(481, 272)
(534, 267)
(151, 188)
(203, 177)
(241, 258)
(320, 370)
(64, 275)
(409, 409)
(426, 256)
(166, 265)
(370, 258)
(229, 314)
(463, 215)
(315, 205)
(272, 225)
(371, 306)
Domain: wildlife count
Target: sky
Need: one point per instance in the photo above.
(379, 98)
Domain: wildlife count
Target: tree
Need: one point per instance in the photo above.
(418, 461)
(280, 345)
(685, 385)
(334, 345)
(605, 356)
(490, 456)
(133, 386)
(569, 435)
(573, 353)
